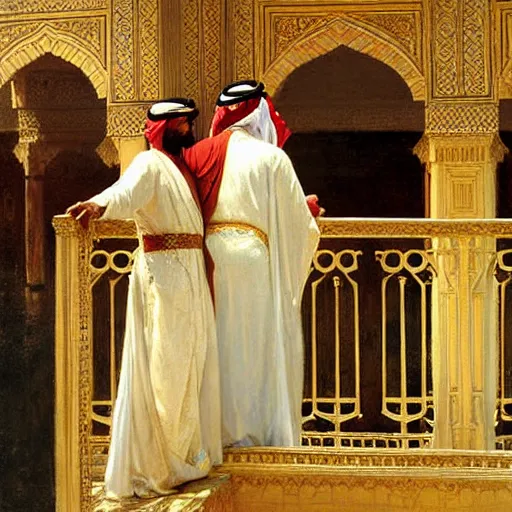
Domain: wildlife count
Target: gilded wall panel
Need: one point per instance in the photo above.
(279, 26)
(476, 60)
(243, 23)
(405, 28)
(191, 22)
(91, 31)
(462, 118)
(201, 55)
(287, 35)
(126, 120)
(123, 46)
(460, 59)
(41, 6)
(149, 54)
(212, 14)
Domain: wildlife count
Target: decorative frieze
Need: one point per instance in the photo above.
(123, 48)
(149, 51)
(126, 120)
(40, 6)
(461, 55)
(462, 117)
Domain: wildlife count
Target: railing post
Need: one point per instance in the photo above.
(67, 347)
(462, 184)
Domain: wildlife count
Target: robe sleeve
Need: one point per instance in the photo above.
(132, 191)
(293, 239)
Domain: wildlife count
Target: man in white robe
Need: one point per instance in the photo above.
(166, 422)
(262, 237)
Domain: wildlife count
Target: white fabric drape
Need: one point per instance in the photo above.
(259, 124)
(166, 423)
(258, 293)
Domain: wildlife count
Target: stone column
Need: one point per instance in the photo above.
(33, 154)
(462, 181)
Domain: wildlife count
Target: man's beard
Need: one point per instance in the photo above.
(173, 142)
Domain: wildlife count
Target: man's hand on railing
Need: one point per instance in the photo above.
(85, 211)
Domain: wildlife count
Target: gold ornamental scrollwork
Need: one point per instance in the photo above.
(326, 457)
(461, 58)
(462, 117)
(288, 29)
(404, 228)
(149, 53)
(113, 229)
(404, 27)
(126, 120)
(190, 15)
(90, 30)
(123, 46)
(65, 226)
(36, 6)
(289, 40)
(243, 16)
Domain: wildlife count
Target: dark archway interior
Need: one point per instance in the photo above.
(26, 339)
(355, 126)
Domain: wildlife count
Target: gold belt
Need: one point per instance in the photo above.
(220, 226)
(170, 241)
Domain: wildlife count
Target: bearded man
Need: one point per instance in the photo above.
(166, 421)
(261, 237)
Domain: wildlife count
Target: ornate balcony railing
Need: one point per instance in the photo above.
(382, 301)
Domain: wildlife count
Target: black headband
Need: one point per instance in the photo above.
(172, 108)
(230, 97)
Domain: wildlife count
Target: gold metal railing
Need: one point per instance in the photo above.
(367, 314)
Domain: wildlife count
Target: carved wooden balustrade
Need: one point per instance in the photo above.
(406, 326)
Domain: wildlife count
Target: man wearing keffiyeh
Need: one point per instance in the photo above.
(261, 237)
(166, 421)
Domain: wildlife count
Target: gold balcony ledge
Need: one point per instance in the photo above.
(330, 227)
(356, 480)
(371, 461)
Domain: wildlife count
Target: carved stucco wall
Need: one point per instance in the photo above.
(80, 41)
(442, 49)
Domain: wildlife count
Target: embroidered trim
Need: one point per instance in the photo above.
(220, 226)
(171, 241)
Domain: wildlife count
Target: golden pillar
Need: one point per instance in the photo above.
(461, 149)
(461, 170)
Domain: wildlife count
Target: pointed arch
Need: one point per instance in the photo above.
(345, 32)
(60, 44)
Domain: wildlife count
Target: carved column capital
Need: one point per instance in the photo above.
(467, 148)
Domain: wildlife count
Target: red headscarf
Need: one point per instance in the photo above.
(155, 130)
(227, 116)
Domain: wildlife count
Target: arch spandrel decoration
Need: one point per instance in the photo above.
(46, 39)
(344, 31)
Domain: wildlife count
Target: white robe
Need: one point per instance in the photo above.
(258, 293)
(166, 422)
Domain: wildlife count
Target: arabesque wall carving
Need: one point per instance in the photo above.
(201, 57)
(343, 30)
(78, 41)
(462, 117)
(41, 6)
(461, 63)
(287, 36)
